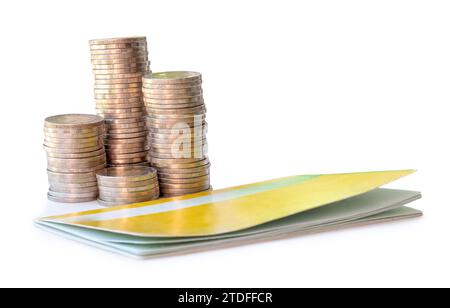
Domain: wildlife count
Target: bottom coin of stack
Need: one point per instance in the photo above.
(75, 152)
(127, 184)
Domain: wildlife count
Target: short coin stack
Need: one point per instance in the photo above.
(177, 126)
(75, 152)
(118, 66)
(127, 184)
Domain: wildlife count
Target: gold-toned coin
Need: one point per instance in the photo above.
(119, 72)
(76, 170)
(126, 174)
(110, 142)
(128, 150)
(119, 201)
(115, 116)
(177, 155)
(73, 121)
(121, 110)
(185, 85)
(172, 170)
(126, 136)
(117, 106)
(172, 96)
(111, 196)
(124, 121)
(76, 156)
(140, 124)
(69, 161)
(121, 76)
(64, 141)
(116, 147)
(73, 195)
(169, 125)
(70, 200)
(200, 179)
(127, 161)
(133, 130)
(120, 101)
(117, 91)
(118, 96)
(126, 45)
(116, 40)
(167, 112)
(128, 184)
(179, 163)
(171, 107)
(121, 60)
(117, 81)
(120, 66)
(126, 55)
(56, 151)
(192, 91)
(127, 156)
(118, 51)
(172, 77)
(179, 101)
(75, 132)
(71, 178)
(77, 191)
(200, 185)
(56, 186)
(75, 146)
(73, 136)
(119, 85)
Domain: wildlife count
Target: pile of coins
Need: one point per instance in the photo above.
(127, 184)
(177, 131)
(118, 66)
(75, 152)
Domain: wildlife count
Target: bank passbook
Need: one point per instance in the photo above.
(257, 212)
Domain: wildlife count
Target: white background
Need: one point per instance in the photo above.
(292, 87)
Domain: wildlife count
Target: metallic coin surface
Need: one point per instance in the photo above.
(184, 85)
(55, 151)
(73, 121)
(76, 170)
(118, 40)
(70, 200)
(93, 194)
(127, 173)
(172, 77)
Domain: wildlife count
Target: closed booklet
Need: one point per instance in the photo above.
(239, 215)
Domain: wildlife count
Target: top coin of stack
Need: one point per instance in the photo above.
(118, 66)
(75, 152)
(177, 126)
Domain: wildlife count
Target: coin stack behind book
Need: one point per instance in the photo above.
(177, 131)
(118, 66)
(75, 152)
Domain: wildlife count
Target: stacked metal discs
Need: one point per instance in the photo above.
(118, 66)
(126, 185)
(177, 131)
(75, 152)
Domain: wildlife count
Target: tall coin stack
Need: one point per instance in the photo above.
(126, 185)
(75, 152)
(118, 66)
(177, 126)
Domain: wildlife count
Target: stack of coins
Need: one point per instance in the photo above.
(75, 152)
(177, 131)
(118, 66)
(127, 184)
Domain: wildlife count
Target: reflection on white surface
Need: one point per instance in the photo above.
(55, 208)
